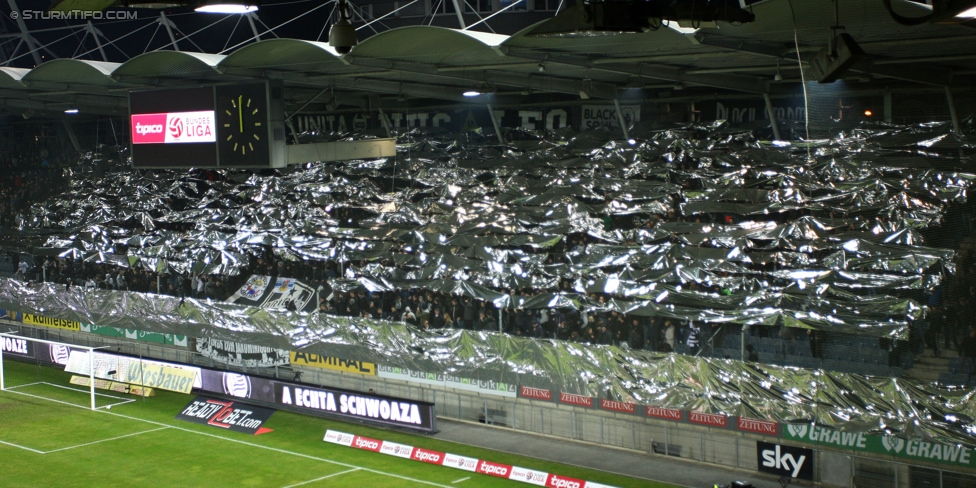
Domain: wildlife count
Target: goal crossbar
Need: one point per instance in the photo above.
(91, 360)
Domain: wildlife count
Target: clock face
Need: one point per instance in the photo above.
(245, 123)
(242, 131)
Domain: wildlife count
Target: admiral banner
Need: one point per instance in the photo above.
(227, 414)
(914, 449)
(487, 387)
(239, 354)
(137, 335)
(51, 322)
(332, 362)
(347, 404)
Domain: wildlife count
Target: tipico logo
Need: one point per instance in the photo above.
(797, 430)
(892, 443)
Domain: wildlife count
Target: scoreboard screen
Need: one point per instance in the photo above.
(173, 128)
(204, 127)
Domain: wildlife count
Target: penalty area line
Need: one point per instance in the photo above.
(460, 480)
(238, 441)
(106, 440)
(275, 449)
(323, 478)
(11, 444)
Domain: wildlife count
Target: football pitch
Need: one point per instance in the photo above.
(50, 437)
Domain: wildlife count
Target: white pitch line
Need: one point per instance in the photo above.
(460, 480)
(322, 478)
(106, 440)
(21, 447)
(238, 441)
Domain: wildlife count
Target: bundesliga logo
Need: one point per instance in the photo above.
(176, 128)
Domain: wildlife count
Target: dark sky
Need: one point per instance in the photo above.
(144, 33)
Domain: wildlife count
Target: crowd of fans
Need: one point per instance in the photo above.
(29, 171)
(29, 174)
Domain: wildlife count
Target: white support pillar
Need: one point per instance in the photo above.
(168, 24)
(494, 122)
(887, 107)
(386, 123)
(952, 110)
(91, 376)
(25, 33)
(254, 29)
(459, 10)
(95, 33)
(620, 118)
(772, 117)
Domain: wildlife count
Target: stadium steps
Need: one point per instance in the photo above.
(928, 367)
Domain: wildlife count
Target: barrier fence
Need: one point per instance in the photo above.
(716, 446)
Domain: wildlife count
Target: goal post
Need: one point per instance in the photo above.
(16, 346)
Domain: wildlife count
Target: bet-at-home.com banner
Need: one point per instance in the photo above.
(914, 449)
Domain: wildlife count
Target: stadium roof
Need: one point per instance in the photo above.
(435, 62)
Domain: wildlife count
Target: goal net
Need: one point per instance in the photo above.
(58, 371)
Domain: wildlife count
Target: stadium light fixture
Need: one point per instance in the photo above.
(71, 111)
(226, 7)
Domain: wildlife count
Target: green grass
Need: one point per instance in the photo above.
(141, 444)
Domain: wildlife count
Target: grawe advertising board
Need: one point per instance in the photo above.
(486, 387)
(463, 463)
(914, 449)
(138, 335)
(227, 414)
(315, 400)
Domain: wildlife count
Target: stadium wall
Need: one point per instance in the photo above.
(832, 468)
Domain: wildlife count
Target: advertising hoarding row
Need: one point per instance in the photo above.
(463, 463)
(315, 400)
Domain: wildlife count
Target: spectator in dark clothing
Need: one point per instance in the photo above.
(751, 355)
(469, 314)
(483, 322)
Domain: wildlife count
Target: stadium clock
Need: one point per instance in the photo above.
(242, 125)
